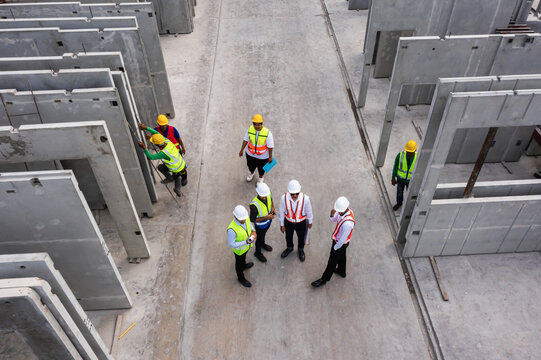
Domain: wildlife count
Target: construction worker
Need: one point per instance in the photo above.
(402, 170)
(173, 165)
(261, 214)
(343, 216)
(170, 132)
(295, 215)
(260, 145)
(240, 237)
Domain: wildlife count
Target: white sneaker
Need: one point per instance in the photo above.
(260, 180)
(250, 177)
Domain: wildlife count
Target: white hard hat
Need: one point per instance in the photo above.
(294, 187)
(341, 204)
(240, 212)
(262, 189)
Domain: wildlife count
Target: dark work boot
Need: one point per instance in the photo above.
(184, 179)
(396, 207)
(168, 179)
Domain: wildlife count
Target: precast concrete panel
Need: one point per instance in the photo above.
(422, 60)
(90, 140)
(41, 266)
(175, 17)
(46, 212)
(70, 22)
(111, 60)
(444, 87)
(484, 189)
(146, 21)
(429, 17)
(467, 110)
(58, 106)
(54, 41)
(358, 4)
(53, 303)
(23, 312)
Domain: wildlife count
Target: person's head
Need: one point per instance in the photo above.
(240, 213)
(294, 188)
(257, 121)
(341, 205)
(263, 191)
(411, 147)
(158, 139)
(162, 122)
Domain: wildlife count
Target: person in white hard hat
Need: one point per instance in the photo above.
(295, 215)
(261, 214)
(240, 237)
(342, 215)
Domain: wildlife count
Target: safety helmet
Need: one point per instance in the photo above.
(294, 187)
(240, 212)
(157, 139)
(257, 118)
(341, 204)
(263, 189)
(411, 146)
(162, 120)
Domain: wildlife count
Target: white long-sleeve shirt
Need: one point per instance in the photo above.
(306, 211)
(232, 237)
(345, 229)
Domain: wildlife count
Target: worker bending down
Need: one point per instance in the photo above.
(173, 166)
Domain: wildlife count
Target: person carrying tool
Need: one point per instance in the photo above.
(261, 215)
(173, 166)
(343, 216)
(170, 133)
(295, 215)
(402, 171)
(260, 146)
(240, 238)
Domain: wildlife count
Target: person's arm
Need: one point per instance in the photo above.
(177, 136)
(308, 210)
(395, 169)
(281, 213)
(334, 216)
(158, 156)
(347, 226)
(152, 131)
(270, 145)
(244, 143)
(253, 213)
(231, 240)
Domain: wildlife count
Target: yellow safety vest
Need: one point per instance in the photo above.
(242, 235)
(403, 171)
(257, 145)
(175, 163)
(262, 209)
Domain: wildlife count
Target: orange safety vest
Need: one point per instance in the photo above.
(294, 216)
(347, 217)
(258, 142)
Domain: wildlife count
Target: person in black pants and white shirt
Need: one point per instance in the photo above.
(261, 214)
(295, 215)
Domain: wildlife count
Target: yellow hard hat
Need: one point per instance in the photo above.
(257, 118)
(411, 146)
(157, 139)
(162, 120)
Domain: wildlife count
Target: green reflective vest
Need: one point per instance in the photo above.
(403, 171)
(257, 144)
(242, 235)
(175, 163)
(262, 209)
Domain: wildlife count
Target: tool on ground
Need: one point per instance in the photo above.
(128, 329)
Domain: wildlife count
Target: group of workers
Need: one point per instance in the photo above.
(295, 211)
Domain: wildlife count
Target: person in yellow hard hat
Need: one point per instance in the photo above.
(260, 146)
(173, 166)
(404, 164)
(170, 132)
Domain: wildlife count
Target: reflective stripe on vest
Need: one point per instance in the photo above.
(170, 135)
(347, 217)
(262, 209)
(175, 163)
(294, 216)
(242, 235)
(403, 171)
(258, 142)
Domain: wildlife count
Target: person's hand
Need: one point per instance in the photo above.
(283, 229)
(183, 151)
(393, 181)
(240, 153)
(270, 216)
(333, 212)
(141, 126)
(147, 136)
(270, 159)
(309, 226)
(141, 145)
(254, 234)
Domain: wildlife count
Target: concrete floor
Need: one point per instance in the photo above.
(277, 58)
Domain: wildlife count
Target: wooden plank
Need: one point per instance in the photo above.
(438, 278)
(118, 329)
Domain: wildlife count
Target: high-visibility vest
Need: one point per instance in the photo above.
(403, 171)
(242, 235)
(262, 209)
(258, 142)
(175, 163)
(347, 217)
(170, 135)
(291, 215)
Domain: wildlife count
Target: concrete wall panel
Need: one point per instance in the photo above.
(490, 189)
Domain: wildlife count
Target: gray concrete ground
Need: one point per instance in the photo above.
(277, 58)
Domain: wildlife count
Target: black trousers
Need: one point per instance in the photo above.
(240, 265)
(299, 228)
(254, 163)
(400, 185)
(177, 176)
(260, 240)
(337, 261)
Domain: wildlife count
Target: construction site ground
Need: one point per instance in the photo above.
(280, 59)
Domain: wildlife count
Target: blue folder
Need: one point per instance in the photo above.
(270, 165)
